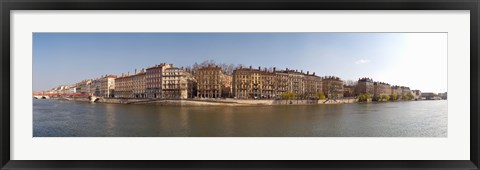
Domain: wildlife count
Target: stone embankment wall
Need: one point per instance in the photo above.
(295, 102)
(211, 102)
(83, 99)
(103, 100)
(192, 103)
(240, 102)
(123, 101)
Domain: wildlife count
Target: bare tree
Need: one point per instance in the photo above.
(239, 66)
(207, 63)
(188, 68)
(224, 67)
(195, 66)
(212, 62)
(349, 82)
(230, 69)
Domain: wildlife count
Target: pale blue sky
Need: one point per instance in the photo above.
(417, 60)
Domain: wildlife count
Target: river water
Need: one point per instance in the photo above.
(57, 118)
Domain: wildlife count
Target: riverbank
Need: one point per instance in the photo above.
(243, 102)
(209, 102)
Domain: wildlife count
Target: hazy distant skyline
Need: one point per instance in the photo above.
(416, 60)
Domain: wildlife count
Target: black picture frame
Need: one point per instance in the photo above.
(7, 5)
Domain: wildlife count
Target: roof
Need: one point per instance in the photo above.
(159, 66)
(122, 77)
(210, 68)
(110, 76)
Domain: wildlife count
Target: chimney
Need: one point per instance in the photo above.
(308, 72)
(301, 71)
(274, 68)
(250, 67)
(135, 71)
(313, 73)
(258, 68)
(287, 69)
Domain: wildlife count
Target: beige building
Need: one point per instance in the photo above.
(106, 86)
(291, 81)
(246, 83)
(124, 86)
(178, 84)
(397, 90)
(83, 87)
(313, 86)
(349, 90)
(406, 92)
(264, 84)
(332, 87)
(154, 80)
(212, 82)
(282, 84)
(417, 94)
(380, 89)
(268, 84)
(253, 83)
(139, 84)
(364, 86)
(296, 83)
(241, 83)
(64, 89)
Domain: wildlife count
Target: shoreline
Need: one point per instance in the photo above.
(210, 102)
(218, 102)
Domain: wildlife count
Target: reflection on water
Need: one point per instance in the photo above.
(110, 119)
(392, 119)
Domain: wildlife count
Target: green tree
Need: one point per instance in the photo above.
(394, 97)
(288, 95)
(406, 97)
(385, 97)
(321, 96)
(364, 97)
(410, 96)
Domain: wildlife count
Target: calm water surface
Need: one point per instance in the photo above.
(56, 118)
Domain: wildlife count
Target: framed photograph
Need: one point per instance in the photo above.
(234, 84)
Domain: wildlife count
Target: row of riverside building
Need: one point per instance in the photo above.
(378, 89)
(164, 81)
